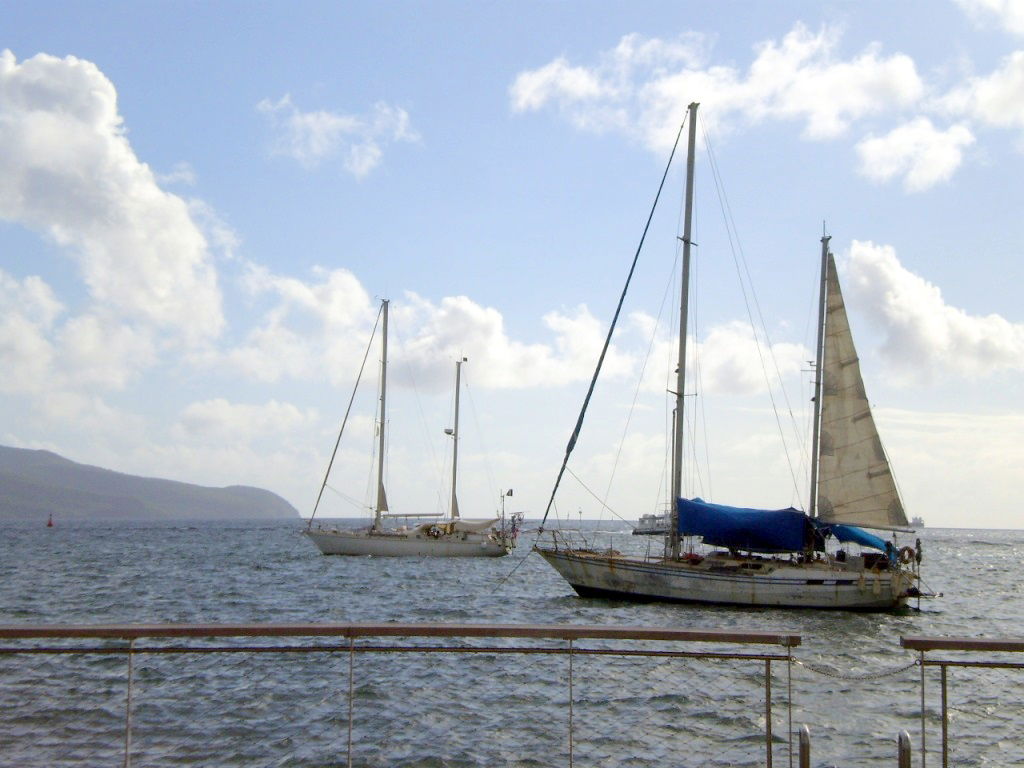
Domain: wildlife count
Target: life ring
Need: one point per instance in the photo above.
(907, 555)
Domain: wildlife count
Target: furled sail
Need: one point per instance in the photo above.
(855, 484)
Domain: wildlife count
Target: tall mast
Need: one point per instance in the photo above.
(819, 353)
(382, 499)
(677, 438)
(455, 439)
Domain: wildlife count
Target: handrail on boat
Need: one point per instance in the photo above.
(397, 629)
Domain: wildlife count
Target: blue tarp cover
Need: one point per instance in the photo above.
(764, 530)
(753, 530)
(851, 533)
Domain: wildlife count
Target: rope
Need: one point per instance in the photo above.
(344, 421)
(608, 339)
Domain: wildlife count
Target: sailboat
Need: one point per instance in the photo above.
(756, 557)
(453, 536)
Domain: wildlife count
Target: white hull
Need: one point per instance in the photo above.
(814, 585)
(407, 544)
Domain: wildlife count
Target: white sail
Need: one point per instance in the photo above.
(855, 484)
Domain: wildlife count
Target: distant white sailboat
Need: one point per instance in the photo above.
(439, 537)
(774, 557)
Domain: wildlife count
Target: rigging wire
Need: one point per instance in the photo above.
(597, 498)
(480, 435)
(636, 392)
(439, 467)
(350, 499)
(611, 329)
(738, 257)
(699, 414)
(344, 421)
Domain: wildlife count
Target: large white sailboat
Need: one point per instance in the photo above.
(727, 555)
(450, 536)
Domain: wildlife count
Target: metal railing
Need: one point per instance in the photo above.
(392, 694)
(976, 699)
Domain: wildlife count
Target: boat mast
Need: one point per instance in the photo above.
(677, 438)
(455, 439)
(819, 353)
(382, 499)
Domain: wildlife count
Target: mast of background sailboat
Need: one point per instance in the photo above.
(677, 438)
(382, 501)
(819, 353)
(455, 439)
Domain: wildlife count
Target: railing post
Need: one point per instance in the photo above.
(768, 711)
(945, 721)
(128, 707)
(805, 747)
(570, 705)
(903, 749)
(351, 695)
(789, 703)
(924, 748)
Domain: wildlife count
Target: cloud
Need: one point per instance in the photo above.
(997, 99)
(917, 151)
(97, 350)
(924, 336)
(28, 311)
(320, 327)
(459, 326)
(1009, 14)
(313, 137)
(638, 87)
(219, 419)
(942, 459)
(728, 360)
(314, 328)
(68, 171)
(732, 362)
(182, 173)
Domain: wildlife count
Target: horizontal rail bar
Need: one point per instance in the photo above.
(397, 629)
(973, 664)
(1004, 645)
(521, 650)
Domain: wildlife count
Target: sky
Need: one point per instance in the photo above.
(202, 205)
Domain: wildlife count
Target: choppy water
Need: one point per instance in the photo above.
(123, 573)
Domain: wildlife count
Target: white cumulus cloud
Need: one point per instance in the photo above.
(641, 87)
(924, 335)
(315, 136)
(28, 311)
(916, 151)
(67, 170)
(1009, 14)
(996, 99)
(459, 326)
(727, 360)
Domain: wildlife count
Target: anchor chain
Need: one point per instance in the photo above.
(841, 676)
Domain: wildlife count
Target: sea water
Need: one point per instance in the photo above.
(852, 683)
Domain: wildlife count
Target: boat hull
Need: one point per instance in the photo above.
(361, 543)
(796, 586)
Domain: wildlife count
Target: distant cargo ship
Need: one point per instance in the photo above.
(917, 522)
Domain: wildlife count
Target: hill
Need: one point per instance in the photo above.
(39, 483)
